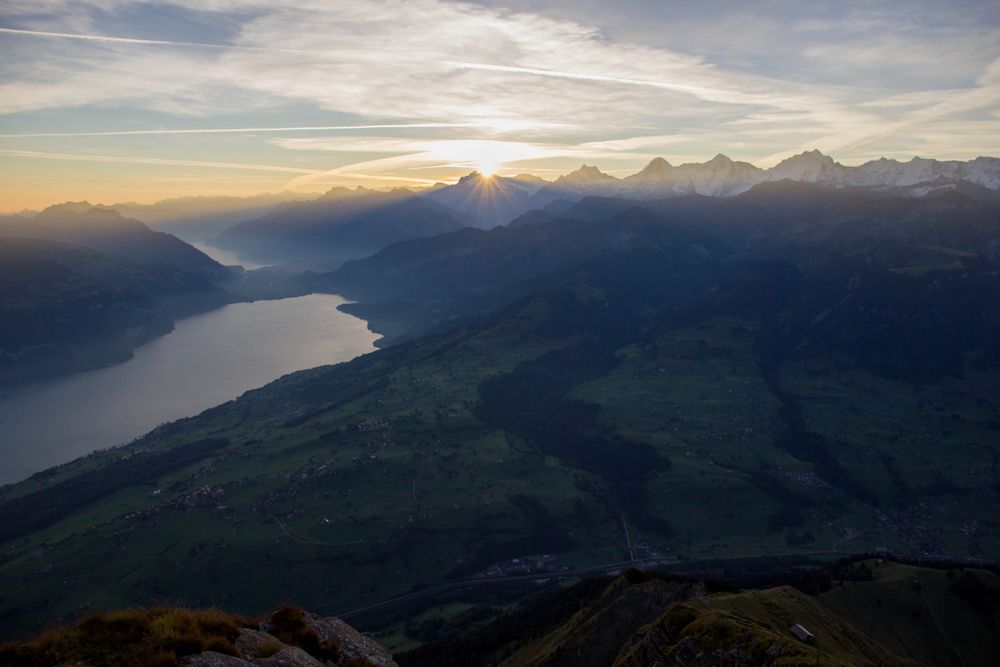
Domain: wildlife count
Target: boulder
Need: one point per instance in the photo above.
(353, 644)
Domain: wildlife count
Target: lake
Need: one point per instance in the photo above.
(208, 359)
(226, 257)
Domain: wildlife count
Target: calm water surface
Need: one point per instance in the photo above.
(208, 359)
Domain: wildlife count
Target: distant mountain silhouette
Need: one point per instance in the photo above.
(785, 220)
(202, 218)
(718, 177)
(324, 231)
(487, 201)
(343, 224)
(108, 231)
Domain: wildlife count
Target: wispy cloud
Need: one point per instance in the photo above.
(985, 93)
(425, 84)
(42, 155)
(241, 130)
(706, 93)
(415, 155)
(105, 39)
(397, 58)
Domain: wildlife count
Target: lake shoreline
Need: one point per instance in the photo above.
(208, 359)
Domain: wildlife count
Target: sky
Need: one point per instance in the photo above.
(135, 100)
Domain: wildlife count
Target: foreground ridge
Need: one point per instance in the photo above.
(166, 636)
(860, 612)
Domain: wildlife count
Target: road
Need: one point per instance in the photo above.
(608, 569)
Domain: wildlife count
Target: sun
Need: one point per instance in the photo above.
(487, 169)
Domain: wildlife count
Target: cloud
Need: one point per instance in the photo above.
(398, 58)
(409, 156)
(154, 161)
(134, 41)
(985, 93)
(463, 154)
(712, 94)
(239, 130)
(759, 84)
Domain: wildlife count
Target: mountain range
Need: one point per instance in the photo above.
(410, 287)
(724, 177)
(321, 232)
(347, 224)
(205, 217)
(489, 201)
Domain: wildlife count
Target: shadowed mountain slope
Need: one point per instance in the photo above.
(67, 308)
(341, 225)
(109, 232)
(641, 619)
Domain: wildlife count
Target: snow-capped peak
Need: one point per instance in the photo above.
(809, 166)
(585, 174)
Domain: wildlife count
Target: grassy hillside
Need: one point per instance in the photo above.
(939, 617)
(753, 628)
(640, 619)
(155, 638)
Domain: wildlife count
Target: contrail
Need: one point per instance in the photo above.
(710, 94)
(575, 76)
(145, 42)
(156, 161)
(705, 93)
(237, 130)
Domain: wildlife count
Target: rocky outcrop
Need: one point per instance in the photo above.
(353, 644)
(164, 636)
(260, 647)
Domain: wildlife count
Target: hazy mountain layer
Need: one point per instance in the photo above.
(341, 225)
(423, 284)
(203, 218)
(472, 271)
(107, 231)
(323, 232)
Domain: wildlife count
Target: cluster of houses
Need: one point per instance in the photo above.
(531, 564)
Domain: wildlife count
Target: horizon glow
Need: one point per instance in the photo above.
(132, 100)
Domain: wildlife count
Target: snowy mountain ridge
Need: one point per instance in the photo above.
(493, 200)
